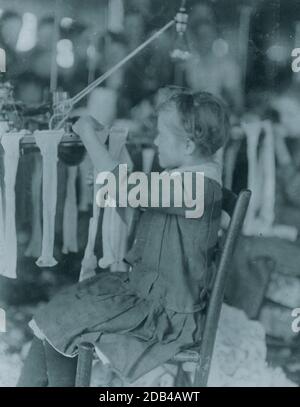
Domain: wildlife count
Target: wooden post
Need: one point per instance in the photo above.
(84, 365)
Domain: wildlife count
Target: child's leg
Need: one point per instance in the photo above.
(61, 369)
(44, 366)
(34, 371)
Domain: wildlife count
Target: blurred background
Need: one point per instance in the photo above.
(254, 38)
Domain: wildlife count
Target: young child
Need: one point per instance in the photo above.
(141, 319)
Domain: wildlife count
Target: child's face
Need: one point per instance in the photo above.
(171, 140)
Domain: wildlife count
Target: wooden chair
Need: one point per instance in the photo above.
(236, 208)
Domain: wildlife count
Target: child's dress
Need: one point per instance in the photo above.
(141, 319)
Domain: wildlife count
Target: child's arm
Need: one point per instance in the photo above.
(93, 136)
(157, 202)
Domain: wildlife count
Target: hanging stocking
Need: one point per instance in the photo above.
(35, 245)
(86, 195)
(114, 228)
(47, 142)
(10, 143)
(85, 168)
(3, 130)
(106, 98)
(262, 182)
(267, 212)
(268, 191)
(230, 159)
(2, 237)
(89, 262)
(115, 235)
(70, 243)
(252, 131)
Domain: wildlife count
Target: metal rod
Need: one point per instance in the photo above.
(112, 70)
(70, 139)
(54, 67)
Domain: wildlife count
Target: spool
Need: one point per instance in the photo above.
(70, 154)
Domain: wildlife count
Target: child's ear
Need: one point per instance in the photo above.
(190, 146)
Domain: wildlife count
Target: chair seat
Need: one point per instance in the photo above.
(188, 355)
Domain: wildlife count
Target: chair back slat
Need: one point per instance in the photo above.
(236, 207)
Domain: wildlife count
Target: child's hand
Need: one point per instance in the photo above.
(87, 124)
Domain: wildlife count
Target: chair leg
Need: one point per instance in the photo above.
(201, 374)
(84, 365)
(182, 378)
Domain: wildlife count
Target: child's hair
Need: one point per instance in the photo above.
(204, 116)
